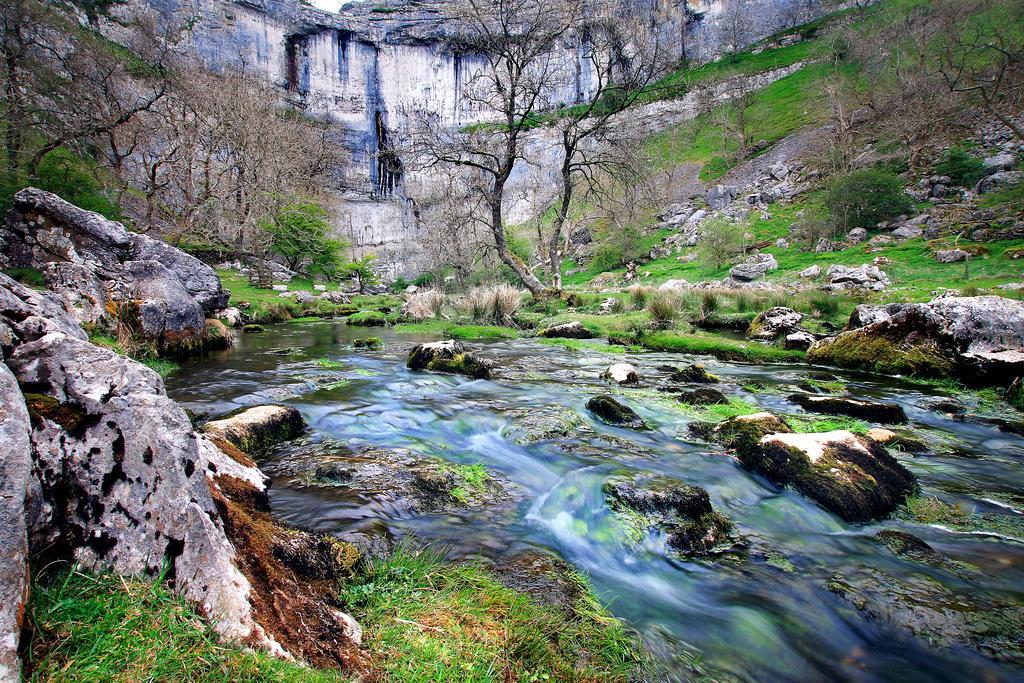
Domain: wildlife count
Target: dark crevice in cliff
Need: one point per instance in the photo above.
(297, 64)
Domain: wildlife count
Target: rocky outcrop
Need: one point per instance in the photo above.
(774, 323)
(849, 475)
(112, 278)
(753, 267)
(980, 339)
(15, 473)
(121, 482)
(570, 330)
(684, 512)
(448, 356)
(865, 277)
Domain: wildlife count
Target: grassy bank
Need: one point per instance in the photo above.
(424, 619)
(104, 628)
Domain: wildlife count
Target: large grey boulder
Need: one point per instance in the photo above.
(15, 472)
(980, 339)
(776, 322)
(198, 279)
(109, 277)
(753, 267)
(999, 180)
(721, 196)
(869, 277)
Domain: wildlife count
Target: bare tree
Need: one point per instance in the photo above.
(626, 56)
(516, 41)
(983, 55)
(733, 114)
(736, 26)
(67, 86)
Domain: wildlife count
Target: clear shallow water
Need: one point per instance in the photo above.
(744, 618)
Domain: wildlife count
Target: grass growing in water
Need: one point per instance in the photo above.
(719, 347)
(326, 362)
(427, 620)
(472, 480)
(104, 628)
(455, 331)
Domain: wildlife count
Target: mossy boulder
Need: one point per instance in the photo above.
(940, 615)
(742, 431)
(693, 374)
(611, 411)
(449, 356)
(368, 319)
(253, 328)
(900, 440)
(979, 339)
(257, 428)
(870, 411)
(218, 335)
(852, 476)
(705, 396)
(369, 343)
(654, 502)
(570, 330)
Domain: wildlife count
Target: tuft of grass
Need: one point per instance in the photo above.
(368, 319)
(471, 480)
(803, 423)
(160, 366)
(325, 362)
(106, 628)
(428, 620)
(931, 510)
(584, 345)
(721, 412)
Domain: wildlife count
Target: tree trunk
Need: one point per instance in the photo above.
(528, 279)
(554, 261)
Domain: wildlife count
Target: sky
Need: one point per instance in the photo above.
(329, 5)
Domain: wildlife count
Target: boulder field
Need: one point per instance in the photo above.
(102, 468)
(111, 279)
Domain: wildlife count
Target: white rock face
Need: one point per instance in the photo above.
(376, 75)
(621, 373)
(814, 445)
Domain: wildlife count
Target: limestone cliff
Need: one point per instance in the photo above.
(372, 69)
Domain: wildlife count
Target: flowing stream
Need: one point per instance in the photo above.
(744, 617)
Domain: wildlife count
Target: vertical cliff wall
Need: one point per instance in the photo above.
(373, 70)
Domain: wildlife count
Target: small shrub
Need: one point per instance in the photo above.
(961, 167)
(866, 197)
(507, 300)
(426, 304)
(618, 306)
(709, 302)
(723, 239)
(664, 307)
(638, 295)
(812, 229)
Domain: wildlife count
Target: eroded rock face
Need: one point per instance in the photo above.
(868, 277)
(15, 473)
(106, 274)
(849, 475)
(673, 506)
(980, 339)
(774, 323)
(448, 356)
(101, 467)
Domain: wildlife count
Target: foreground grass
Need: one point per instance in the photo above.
(426, 620)
(104, 628)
